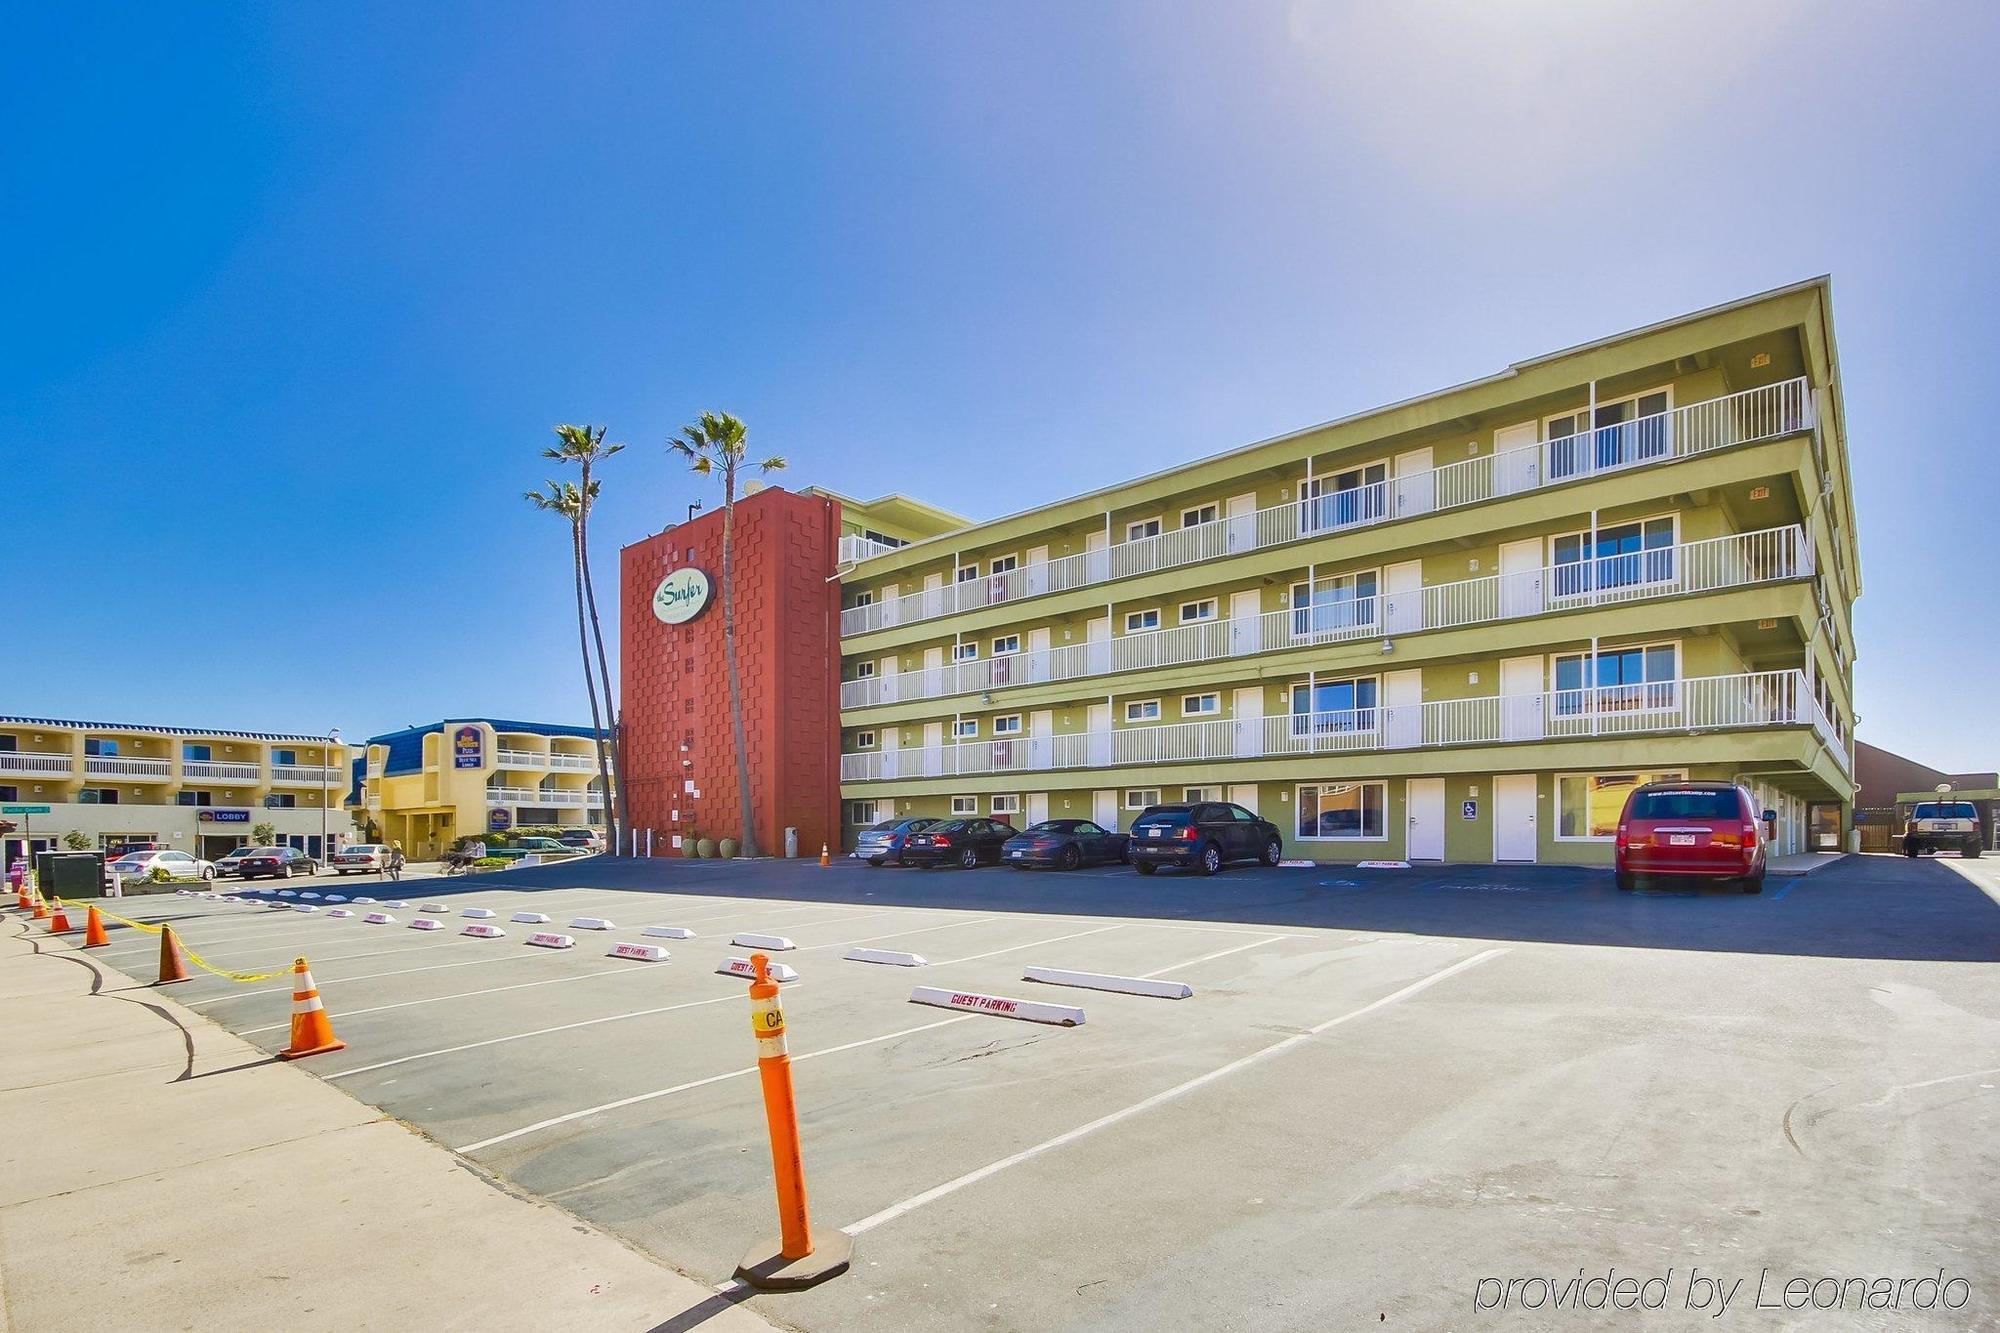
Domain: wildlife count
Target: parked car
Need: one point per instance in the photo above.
(537, 846)
(961, 842)
(277, 863)
(880, 844)
(1936, 826)
(1691, 830)
(121, 849)
(583, 840)
(231, 863)
(360, 857)
(178, 864)
(1204, 836)
(1064, 844)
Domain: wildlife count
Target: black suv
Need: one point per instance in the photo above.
(1203, 836)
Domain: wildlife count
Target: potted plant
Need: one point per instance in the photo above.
(690, 846)
(708, 847)
(728, 848)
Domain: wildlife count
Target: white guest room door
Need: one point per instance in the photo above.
(1426, 820)
(1514, 817)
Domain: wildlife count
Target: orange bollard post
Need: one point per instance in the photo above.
(93, 931)
(173, 967)
(59, 920)
(312, 1030)
(825, 858)
(793, 1261)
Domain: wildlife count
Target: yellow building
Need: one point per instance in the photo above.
(1460, 627)
(425, 786)
(199, 791)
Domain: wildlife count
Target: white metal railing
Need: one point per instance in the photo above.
(1764, 413)
(533, 796)
(307, 773)
(1709, 565)
(520, 759)
(31, 763)
(854, 548)
(1756, 699)
(217, 771)
(111, 766)
(1830, 733)
(574, 762)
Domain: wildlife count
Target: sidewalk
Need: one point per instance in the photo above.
(1803, 863)
(158, 1172)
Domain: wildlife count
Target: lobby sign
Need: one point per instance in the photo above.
(212, 816)
(467, 747)
(682, 595)
(499, 820)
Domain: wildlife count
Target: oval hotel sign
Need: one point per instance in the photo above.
(681, 596)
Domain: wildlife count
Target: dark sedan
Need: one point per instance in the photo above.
(880, 844)
(960, 842)
(277, 863)
(1064, 844)
(1204, 836)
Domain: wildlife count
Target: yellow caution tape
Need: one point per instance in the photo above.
(190, 954)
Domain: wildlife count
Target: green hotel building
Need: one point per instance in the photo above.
(1459, 627)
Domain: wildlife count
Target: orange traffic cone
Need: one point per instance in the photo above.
(21, 898)
(41, 909)
(825, 857)
(173, 967)
(59, 920)
(312, 1030)
(93, 931)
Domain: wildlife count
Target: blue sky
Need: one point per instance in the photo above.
(296, 292)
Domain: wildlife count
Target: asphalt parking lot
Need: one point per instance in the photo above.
(1386, 1087)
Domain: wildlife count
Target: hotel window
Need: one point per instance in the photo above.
(97, 796)
(1002, 564)
(965, 652)
(1640, 677)
(1006, 643)
(1006, 805)
(1142, 710)
(879, 538)
(1140, 529)
(1624, 555)
(1331, 811)
(965, 728)
(863, 670)
(1338, 499)
(285, 757)
(1010, 725)
(1138, 622)
(1588, 804)
(10, 793)
(864, 740)
(281, 801)
(199, 754)
(965, 805)
(1201, 610)
(1200, 705)
(1626, 430)
(1331, 707)
(967, 573)
(1138, 798)
(1193, 794)
(94, 745)
(1338, 605)
(1199, 514)
(861, 812)
(864, 599)
(194, 798)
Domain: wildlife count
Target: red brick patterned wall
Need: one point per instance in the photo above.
(676, 687)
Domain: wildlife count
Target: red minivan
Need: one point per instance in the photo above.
(1691, 830)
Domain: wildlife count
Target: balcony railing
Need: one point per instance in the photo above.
(534, 796)
(112, 766)
(855, 548)
(1716, 563)
(1758, 699)
(520, 759)
(216, 771)
(573, 762)
(29, 763)
(1766, 413)
(306, 774)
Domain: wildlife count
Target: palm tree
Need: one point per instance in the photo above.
(717, 443)
(573, 503)
(585, 447)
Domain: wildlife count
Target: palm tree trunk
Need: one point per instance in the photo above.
(729, 652)
(607, 762)
(583, 649)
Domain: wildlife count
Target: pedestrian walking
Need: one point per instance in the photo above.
(396, 861)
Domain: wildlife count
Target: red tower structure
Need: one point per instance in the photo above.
(680, 750)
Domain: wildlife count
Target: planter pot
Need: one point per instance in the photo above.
(707, 847)
(690, 849)
(728, 847)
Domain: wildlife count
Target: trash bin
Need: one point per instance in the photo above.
(70, 874)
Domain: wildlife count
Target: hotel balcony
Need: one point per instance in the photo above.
(308, 775)
(1698, 704)
(855, 548)
(1715, 564)
(204, 770)
(1767, 413)
(27, 763)
(534, 796)
(113, 766)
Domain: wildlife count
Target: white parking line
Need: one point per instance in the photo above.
(324, 982)
(1016, 948)
(463, 995)
(911, 1204)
